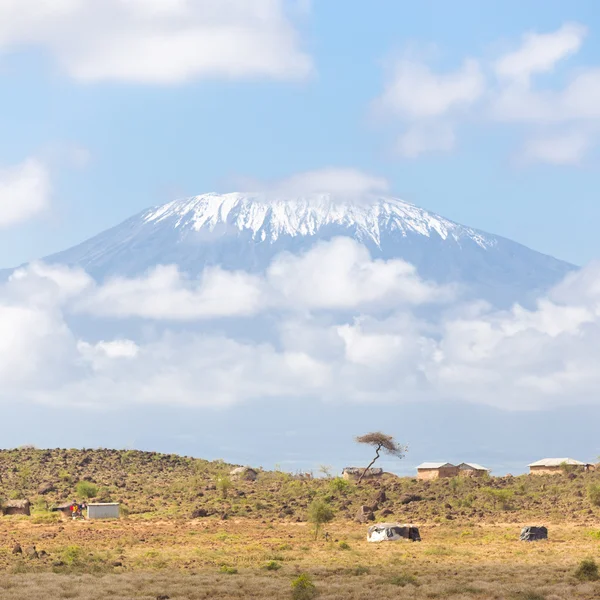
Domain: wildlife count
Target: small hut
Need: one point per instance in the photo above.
(471, 470)
(390, 532)
(554, 466)
(16, 507)
(436, 470)
(103, 510)
(354, 473)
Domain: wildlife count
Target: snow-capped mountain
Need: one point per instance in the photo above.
(245, 231)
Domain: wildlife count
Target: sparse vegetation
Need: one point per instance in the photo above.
(594, 493)
(303, 588)
(319, 513)
(587, 570)
(86, 490)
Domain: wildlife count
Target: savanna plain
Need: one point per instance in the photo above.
(189, 530)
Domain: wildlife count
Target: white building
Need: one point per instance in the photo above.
(103, 510)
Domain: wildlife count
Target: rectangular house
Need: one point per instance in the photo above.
(436, 470)
(103, 510)
(553, 466)
(471, 470)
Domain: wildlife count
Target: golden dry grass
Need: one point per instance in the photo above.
(183, 560)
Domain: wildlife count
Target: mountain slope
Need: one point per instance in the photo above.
(245, 231)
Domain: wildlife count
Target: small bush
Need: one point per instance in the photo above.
(85, 489)
(594, 534)
(339, 484)
(594, 493)
(303, 588)
(360, 570)
(344, 546)
(228, 570)
(404, 579)
(223, 485)
(319, 512)
(527, 595)
(272, 565)
(73, 555)
(587, 570)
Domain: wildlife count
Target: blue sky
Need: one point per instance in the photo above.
(114, 145)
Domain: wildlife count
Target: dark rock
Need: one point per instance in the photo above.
(17, 549)
(31, 552)
(116, 563)
(46, 488)
(200, 513)
(386, 512)
(381, 497)
(162, 597)
(365, 514)
(408, 498)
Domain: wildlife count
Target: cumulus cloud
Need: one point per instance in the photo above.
(428, 107)
(332, 340)
(539, 52)
(25, 191)
(338, 181)
(566, 149)
(415, 91)
(158, 41)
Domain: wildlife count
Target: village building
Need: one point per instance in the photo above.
(552, 466)
(472, 470)
(103, 510)
(354, 473)
(436, 470)
(16, 507)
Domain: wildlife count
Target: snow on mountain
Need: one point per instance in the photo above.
(245, 231)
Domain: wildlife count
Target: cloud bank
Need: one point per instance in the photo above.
(560, 123)
(348, 329)
(158, 41)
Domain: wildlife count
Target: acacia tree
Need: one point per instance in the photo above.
(381, 441)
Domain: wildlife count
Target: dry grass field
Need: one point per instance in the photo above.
(256, 540)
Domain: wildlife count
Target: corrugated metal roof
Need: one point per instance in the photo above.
(555, 462)
(474, 466)
(434, 465)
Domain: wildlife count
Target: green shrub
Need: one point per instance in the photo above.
(223, 485)
(73, 555)
(344, 546)
(360, 570)
(404, 579)
(228, 570)
(272, 565)
(527, 595)
(303, 588)
(339, 484)
(500, 498)
(594, 493)
(319, 512)
(594, 534)
(85, 489)
(587, 570)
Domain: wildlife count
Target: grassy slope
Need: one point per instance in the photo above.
(155, 485)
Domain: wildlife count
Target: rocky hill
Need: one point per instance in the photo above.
(151, 485)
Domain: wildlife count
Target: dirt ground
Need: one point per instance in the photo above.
(243, 558)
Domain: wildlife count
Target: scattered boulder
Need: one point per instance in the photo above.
(408, 498)
(381, 497)
(365, 514)
(162, 597)
(386, 512)
(31, 552)
(200, 513)
(244, 473)
(17, 549)
(46, 488)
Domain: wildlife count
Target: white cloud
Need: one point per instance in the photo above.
(354, 352)
(565, 149)
(341, 275)
(415, 91)
(25, 191)
(560, 121)
(540, 52)
(165, 293)
(158, 41)
(338, 181)
(426, 137)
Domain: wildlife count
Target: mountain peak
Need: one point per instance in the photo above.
(269, 216)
